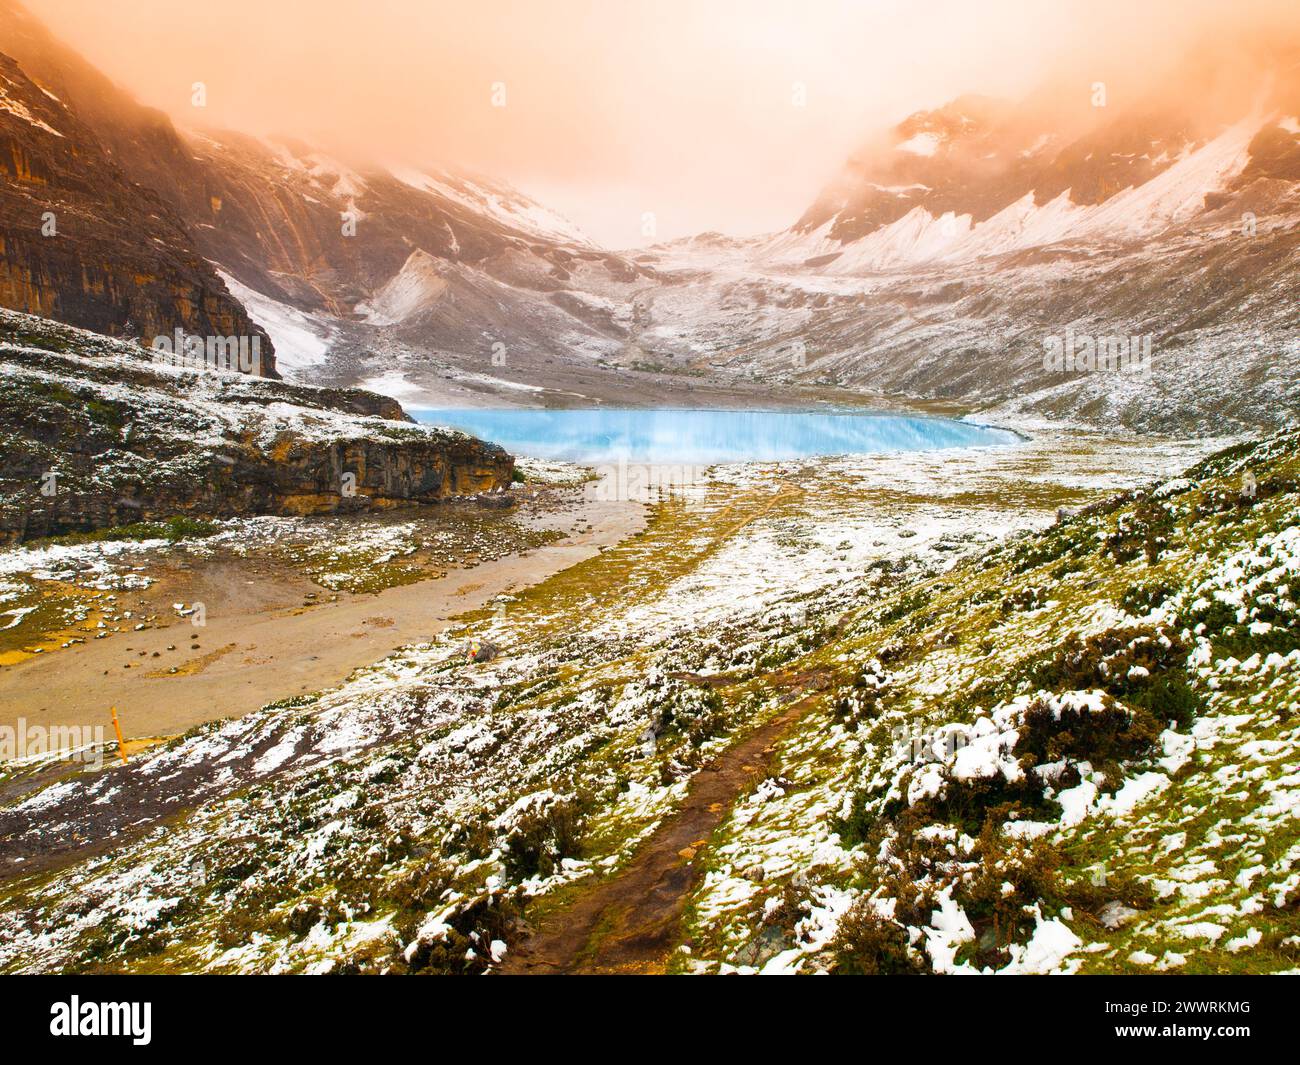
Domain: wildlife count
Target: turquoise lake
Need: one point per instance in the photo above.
(708, 436)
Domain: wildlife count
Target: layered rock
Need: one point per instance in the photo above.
(81, 243)
(93, 434)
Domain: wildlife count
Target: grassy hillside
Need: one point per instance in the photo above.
(1077, 752)
(1072, 750)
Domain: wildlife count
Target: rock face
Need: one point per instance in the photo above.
(93, 434)
(376, 258)
(81, 243)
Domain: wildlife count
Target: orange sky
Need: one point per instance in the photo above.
(614, 108)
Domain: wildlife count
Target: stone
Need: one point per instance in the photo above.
(205, 445)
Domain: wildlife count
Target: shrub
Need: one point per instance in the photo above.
(970, 804)
(1141, 599)
(866, 944)
(463, 948)
(1091, 897)
(1143, 666)
(174, 529)
(1011, 875)
(1146, 530)
(1113, 734)
(542, 836)
(1023, 599)
(1168, 697)
(694, 712)
(421, 887)
(855, 826)
(906, 605)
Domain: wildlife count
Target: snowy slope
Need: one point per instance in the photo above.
(1173, 197)
(497, 201)
(417, 285)
(1176, 195)
(301, 340)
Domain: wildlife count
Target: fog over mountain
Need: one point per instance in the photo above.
(615, 110)
(933, 261)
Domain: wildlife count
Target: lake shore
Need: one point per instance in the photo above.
(271, 634)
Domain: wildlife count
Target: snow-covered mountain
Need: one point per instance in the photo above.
(947, 255)
(1171, 190)
(939, 264)
(979, 176)
(354, 266)
(350, 267)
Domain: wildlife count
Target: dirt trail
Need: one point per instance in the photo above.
(631, 923)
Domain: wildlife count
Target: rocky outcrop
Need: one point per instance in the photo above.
(94, 434)
(81, 243)
(475, 260)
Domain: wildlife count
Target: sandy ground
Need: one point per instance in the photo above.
(261, 644)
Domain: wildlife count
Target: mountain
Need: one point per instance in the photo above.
(948, 259)
(1068, 160)
(81, 243)
(952, 254)
(438, 262)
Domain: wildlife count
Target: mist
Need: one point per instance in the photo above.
(708, 114)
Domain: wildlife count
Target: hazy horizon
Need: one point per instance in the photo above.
(690, 111)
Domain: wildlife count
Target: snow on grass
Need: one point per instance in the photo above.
(429, 798)
(1213, 802)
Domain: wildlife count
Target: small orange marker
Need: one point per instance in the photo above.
(121, 750)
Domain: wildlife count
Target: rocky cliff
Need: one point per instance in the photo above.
(472, 261)
(81, 243)
(95, 434)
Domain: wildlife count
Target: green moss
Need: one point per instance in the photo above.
(102, 413)
(174, 529)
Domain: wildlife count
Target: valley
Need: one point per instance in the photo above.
(258, 611)
(934, 268)
(611, 705)
(397, 579)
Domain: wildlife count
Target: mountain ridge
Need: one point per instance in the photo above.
(82, 243)
(937, 266)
